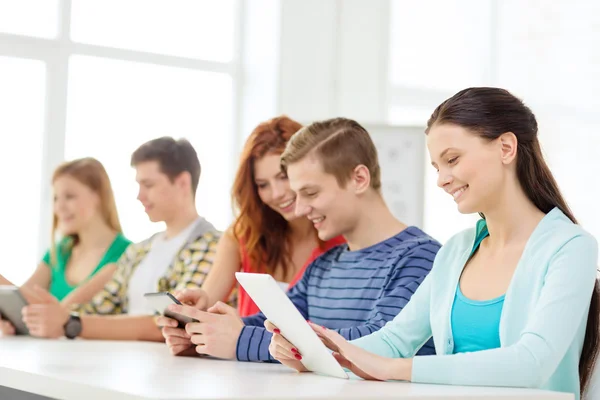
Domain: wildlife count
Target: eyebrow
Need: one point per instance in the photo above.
(266, 179)
(443, 154)
(306, 187)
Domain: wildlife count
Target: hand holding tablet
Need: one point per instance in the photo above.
(280, 310)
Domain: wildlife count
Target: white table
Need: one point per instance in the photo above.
(82, 369)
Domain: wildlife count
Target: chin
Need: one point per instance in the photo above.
(326, 235)
(68, 230)
(323, 236)
(466, 208)
(154, 218)
(289, 217)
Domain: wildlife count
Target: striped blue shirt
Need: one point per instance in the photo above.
(353, 292)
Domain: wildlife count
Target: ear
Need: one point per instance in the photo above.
(361, 179)
(184, 181)
(508, 147)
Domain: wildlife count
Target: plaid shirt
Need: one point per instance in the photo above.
(188, 270)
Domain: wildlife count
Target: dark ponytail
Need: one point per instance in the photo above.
(491, 112)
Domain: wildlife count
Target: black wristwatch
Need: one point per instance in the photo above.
(73, 326)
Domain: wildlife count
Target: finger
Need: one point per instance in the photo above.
(197, 328)
(284, 353)
(166, 321)
(177, 350)
(32, 318)
(328, 343)
(36, 331)
(198, 339)
(191, 312)
(334, 338)
(296, 365)
(175, 332)
(316, 327)
(222, 308)
(202, 349)
(345, 363)
(189, 296)
(282, 342)
(7, 328)
(177, 341)
(271, 327)
(35, 309)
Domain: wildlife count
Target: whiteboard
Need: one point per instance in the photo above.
(401, 152)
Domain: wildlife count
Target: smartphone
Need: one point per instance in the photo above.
(160, 301)
(11, 304)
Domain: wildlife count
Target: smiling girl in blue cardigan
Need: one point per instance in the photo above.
(512, 302)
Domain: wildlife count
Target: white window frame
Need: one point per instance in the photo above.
(55, 53)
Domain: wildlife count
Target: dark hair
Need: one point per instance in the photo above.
(490, 112)
(173, 157)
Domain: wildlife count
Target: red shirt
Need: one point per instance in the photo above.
(245, 304)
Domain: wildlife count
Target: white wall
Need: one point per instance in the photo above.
(376, 61)
(395, 60)
(549, 54)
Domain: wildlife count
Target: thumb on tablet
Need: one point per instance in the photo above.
(271, 327)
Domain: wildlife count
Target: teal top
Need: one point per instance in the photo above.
(543, 321)
(476, 324)
(59, 287)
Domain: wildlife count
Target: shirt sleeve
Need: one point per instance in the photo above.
(254, 340)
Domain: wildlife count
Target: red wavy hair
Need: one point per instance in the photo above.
(262, 231)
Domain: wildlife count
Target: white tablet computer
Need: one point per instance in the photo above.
(280, 310)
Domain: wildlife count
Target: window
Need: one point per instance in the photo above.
(442, 50)
(201, 29)
(17, 17)
(114, 106)
(22, 83)
(108, 76)
(433, 55)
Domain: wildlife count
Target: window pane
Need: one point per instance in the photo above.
(29, 17)
(447, 49)
(23, 92)
(115, 106)
(200, 29)
(564, 38)
(409, 116)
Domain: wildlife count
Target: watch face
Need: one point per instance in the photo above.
(73, 327)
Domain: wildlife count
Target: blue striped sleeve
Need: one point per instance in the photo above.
(254, 340)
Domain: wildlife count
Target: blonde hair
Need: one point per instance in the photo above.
(92, 174)
(340, 145)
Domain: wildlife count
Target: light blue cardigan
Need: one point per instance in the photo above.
(542, 324)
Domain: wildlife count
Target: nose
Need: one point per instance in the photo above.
(444, 178)
(302, 208)
(140, 195)
(59, 205)
(279, 190)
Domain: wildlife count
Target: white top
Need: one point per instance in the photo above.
(152, 268)
(82, 369)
